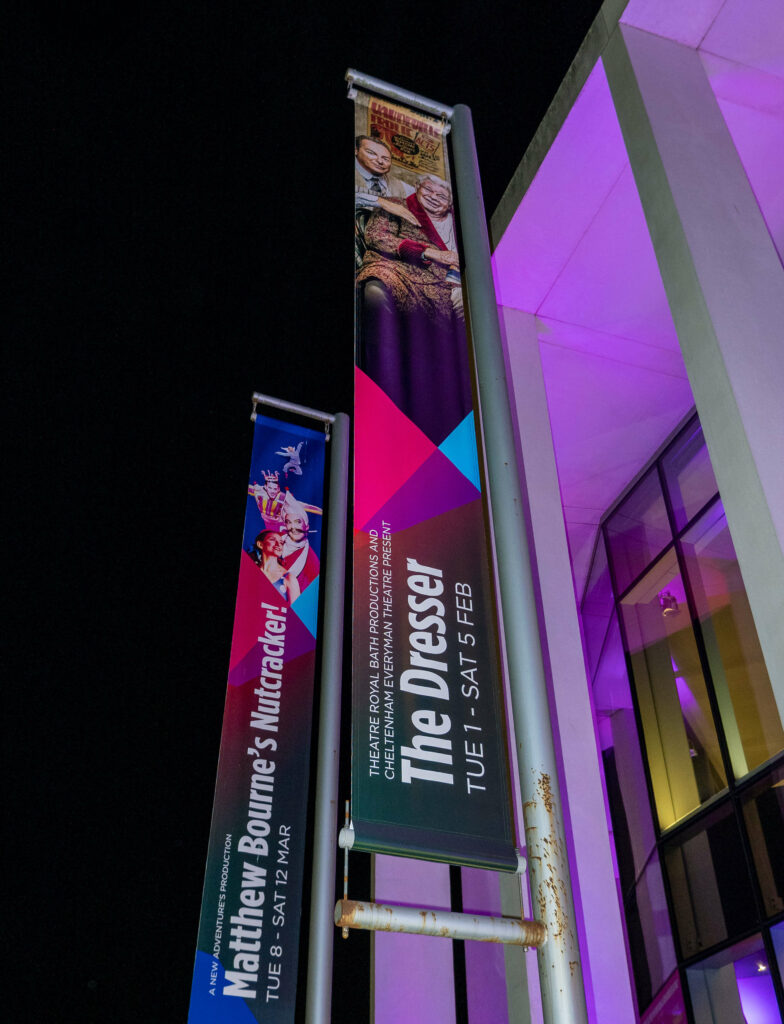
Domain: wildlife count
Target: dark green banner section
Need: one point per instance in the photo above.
(442, 847)
(429, 769)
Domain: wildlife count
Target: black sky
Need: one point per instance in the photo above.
(179, 186)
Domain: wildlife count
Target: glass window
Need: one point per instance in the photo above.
(748, 708)
(668, 1007)
(624, 774)
(650, 935)
(684, 759)
(598, 605)
(734, 986)
(638, 530)
(709, 882)
(689, 474)
(763, 810)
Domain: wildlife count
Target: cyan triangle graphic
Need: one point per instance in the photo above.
(306, 606)
(460, 449)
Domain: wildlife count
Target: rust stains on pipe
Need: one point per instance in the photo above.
(442, 923)
(548, 860)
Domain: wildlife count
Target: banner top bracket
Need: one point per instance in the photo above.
(393, 92)
(326, 418)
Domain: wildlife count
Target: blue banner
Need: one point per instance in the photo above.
(247, 951)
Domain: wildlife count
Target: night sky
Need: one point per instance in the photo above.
(179, 185)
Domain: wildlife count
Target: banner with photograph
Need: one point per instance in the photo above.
(430, 774)
(247, 952)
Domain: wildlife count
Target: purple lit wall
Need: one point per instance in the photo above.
(485, 971)
(740, 43)
(425, 963)
(577, 254)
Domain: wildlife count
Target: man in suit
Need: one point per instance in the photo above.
(372, 161)
(373, 188)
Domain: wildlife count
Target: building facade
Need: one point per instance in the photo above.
(638, 267)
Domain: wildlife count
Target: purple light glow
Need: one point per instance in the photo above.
(578, 255)
(756, 991)
(758, 1000)
(560, 203)
(686, 698)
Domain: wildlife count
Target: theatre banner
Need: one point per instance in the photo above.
(246, 958)
(430, 774)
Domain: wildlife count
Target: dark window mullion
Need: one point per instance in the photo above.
(640, 576)
(699, 639)
(646, 770)
(686, 993)
(708, 504)
(458, 947)
(714, 704)
(633, 691)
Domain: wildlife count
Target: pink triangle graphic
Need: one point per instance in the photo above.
(254, 589)
(435, 488)
(388, 448)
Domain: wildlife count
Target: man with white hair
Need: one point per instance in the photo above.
(298, 557)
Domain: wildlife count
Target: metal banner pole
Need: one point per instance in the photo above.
(563, 998)
(319, 993)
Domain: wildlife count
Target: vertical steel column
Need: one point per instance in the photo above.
(563, 997)
(322, 902)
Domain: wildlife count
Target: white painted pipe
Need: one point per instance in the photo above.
(379, 917)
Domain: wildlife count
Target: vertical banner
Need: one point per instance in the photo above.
(246, 958)
(430, 775)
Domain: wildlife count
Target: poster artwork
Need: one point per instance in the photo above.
(247, 950)
(429, 748)
(414, 141)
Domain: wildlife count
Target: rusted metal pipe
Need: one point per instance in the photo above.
(378, 917)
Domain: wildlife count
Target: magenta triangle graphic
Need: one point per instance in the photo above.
(246, 652)
(388, 448)
(436, 487)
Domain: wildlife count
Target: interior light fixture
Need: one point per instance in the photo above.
(668, 603)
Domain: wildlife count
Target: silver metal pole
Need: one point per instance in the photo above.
(563, 998)
(379, 917)
(394, 92)
(319, 994)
